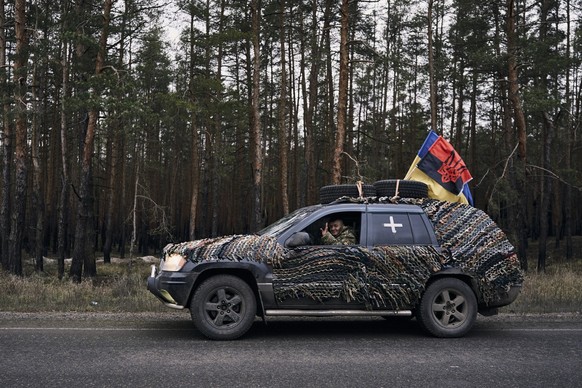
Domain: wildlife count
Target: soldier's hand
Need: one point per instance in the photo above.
(324, 230)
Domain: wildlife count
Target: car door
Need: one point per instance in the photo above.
(322, 276)
(402, 248)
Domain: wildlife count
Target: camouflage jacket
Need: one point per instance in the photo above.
(346, 237)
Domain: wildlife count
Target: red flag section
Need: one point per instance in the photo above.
(443, 164)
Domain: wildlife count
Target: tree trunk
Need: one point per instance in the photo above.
(519, 118)
(311, 96)
(82, 260)
(342, 106)
(195, 176)
(132, 242)
(546, 191)
(547, 137)
(473, 159)
(18, 214)
(38, 204)
(513, 80)
(283, 138)
(194, 153)
(7, 166)
(63, 223)
(570, 132)
(460, 109)
(217, 125)
(329, 104)
(116, 155)
(431, 75)
(256, 135)
(295, 176)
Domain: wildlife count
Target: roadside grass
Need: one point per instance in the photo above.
(558, 289)
(118, 287)
(121, 287)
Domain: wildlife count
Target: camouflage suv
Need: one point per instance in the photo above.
(438, 261)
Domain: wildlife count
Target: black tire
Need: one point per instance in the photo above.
(406, 188)
(223, 307)
(448, 308)
(330, 193)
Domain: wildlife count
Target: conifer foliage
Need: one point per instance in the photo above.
(128, 124)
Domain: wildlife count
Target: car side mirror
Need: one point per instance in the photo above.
(298, 239)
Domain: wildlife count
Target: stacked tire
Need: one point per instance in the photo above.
(401, 188)
(382, 188)
(330, 193)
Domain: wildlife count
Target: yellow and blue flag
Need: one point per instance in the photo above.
(442, 169)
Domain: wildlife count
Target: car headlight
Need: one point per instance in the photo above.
(173, 263)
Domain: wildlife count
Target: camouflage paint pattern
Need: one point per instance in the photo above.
(383, 276)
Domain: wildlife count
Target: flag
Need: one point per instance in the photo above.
(443, 164)
(442, 169)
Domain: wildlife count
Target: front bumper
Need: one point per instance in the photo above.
(171, 288)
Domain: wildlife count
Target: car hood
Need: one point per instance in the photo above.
(228, 248)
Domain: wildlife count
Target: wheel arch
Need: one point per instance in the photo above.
(457, 274)
(242, 272)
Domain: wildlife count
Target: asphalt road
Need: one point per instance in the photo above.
(163, 350)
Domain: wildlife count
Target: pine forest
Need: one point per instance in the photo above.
(129, 124)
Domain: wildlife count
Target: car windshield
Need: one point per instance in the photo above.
(280, 226)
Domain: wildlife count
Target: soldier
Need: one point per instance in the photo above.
(336, 233)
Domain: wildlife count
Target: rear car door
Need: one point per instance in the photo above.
(399, 238)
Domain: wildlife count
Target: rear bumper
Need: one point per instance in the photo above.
(171, 288)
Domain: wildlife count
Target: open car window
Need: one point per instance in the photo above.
(352, 220)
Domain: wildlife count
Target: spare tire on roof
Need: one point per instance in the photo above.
(330, 193)
(406, 188)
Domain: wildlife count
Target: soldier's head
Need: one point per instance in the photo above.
(335, 226)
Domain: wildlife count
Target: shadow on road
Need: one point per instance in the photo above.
(332, 327)
(303, 327)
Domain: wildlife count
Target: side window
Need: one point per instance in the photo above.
(389, 229)
(421, 234)
(351, 220)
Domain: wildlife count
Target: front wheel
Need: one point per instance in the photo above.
(223, 307)
(448, 308)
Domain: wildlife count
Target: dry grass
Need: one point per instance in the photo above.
(558, 290)
(118, 288)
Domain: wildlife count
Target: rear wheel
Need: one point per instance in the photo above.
(223, 307)
(448, 308)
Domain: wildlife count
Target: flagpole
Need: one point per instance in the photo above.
(409, 173)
